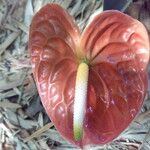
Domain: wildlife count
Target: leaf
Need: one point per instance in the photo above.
(54, 135)
(9, 105)
(39, 132)
(17, 120)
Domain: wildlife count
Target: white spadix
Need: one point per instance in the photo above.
(80, 99)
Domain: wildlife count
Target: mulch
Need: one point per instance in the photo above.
(24, 124)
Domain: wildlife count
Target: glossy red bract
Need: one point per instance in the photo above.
(117, 48)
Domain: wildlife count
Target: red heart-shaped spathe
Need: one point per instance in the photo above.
(117, 48)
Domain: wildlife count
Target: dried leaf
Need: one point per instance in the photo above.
(39, 132)
(8, 41)
(17, 120)
(9, 105)
(55, 136)
(28, 13)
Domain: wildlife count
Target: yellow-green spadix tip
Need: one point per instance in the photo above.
(80, 100)
(77, 133)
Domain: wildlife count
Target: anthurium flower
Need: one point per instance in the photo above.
(92, 84)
